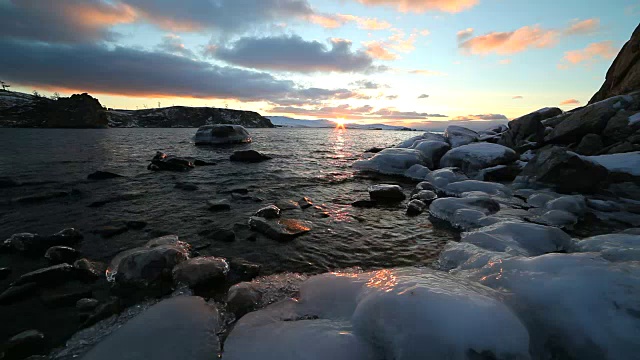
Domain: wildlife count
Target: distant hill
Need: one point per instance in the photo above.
(324, 123)
(183, 116)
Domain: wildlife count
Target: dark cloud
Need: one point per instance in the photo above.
(172, 44)
(346, 111)
(134, 72)
(294, 54)
(423, 96)
(68, 21)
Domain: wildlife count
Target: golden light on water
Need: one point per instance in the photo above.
(384, 280)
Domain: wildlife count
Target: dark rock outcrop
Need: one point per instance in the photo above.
(527, 128)
(162, 161)
(187, 117)
(386, 193)
(591, 144)
(624, 74)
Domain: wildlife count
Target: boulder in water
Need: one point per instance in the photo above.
(22, 345)
(103, 175)
(222, 135)
(250, 156)
(386, 193)
(269, 212)
(219, 205)
(61, 254)
(201, 271)
(164, 162)
(280, 229)
(243, 298)
(415, 207)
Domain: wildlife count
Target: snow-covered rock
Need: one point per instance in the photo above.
(464, 213)
(474, 157)
(575, 204)
(442, 177)
(613, 247)
(466, 186)
(402, 314)
(559, 218)
(627, 163)
(222, 134)
(458, 136)
(392, 161)
(540, 200)
(433, 152)
(183, 327)
(409, 142)
(417, 172)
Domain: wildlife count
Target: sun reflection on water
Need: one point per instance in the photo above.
(384, 280)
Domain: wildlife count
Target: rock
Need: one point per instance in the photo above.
(433, 152)
(136, 224)
(243, 197)
(527, 128)
(61, 254)
(243, 298)
(287, 205)
(88, 269)
(415, 207)
(564, 170)
(591, 144)
(460, 188)
(222, 135)
(280, 229)
(17, 292)
(499, 173)
(575, 204)
(458, 136)
(364, 203)
(164, 162)
(250, 156)
(66, 237)
(24, 344)
(186, 186)
(474, 157)
(588, 120)
(243, 270)
(374, 150)
(439, 179)
(464, 213)
(103, 175)
(424, 185)
(386, 193)
(201, 271)
(109, 231)
(624, 74)
(198, 162)
(105, 310)
(621, 167)
(392, 161)
(269, 212)
(87, 304)
(619, 127)
(183, 327)
(44, 196)
(219, 234)
(425, 196)
(559, 218)
(417, 172)
(219, 205)
(540, 199)
(36, 245)
(51, 275)
(304, 203)
(66, 295)
(621, 147)
(4, 273)
(603, 205)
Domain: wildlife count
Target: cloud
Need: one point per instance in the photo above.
(65, 21)
(369, 85)
(517, 97)
(465, 34)
(421, 6)
(584, 27)
(387, 49)
(377, 51)
(172, 44)
(423, 96)
(426, 72)
(504, 62)
(294, 54)
(338, 20)
(510, 42)
(135, 72)
(603, 50)
(346, 111)
(391, 97)
(570, 102)
(481, 117)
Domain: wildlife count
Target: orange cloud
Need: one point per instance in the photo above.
(504, 62)
(326, 21)
(463, 35)
(398, 42)
(570, 102)
(511, 42)
(517, 97)
(377, 51)
(604, 50)
(92, 16)
(336, 21)
(421, 6)
(427, 72)
(587, 26)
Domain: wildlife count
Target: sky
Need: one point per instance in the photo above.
(402, 62)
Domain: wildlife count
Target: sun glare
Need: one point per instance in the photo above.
(339, 123)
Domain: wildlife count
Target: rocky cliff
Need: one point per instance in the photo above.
(182, 116)
(624, 74)
(77, 111)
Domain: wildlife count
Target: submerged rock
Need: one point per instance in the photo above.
(61, 254)
(48, 276)
(186, 186)
(162, 161)
(36, 244)
(305, 203)
(280, 229)
(183, 327)
(269, 212)
(386, 193)
(201, 271)
(222, 135)
(103, 175)
(250, 156)
(219, 205)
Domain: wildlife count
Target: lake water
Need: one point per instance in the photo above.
(313, 163)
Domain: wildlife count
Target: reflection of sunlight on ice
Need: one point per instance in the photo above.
(384, 280)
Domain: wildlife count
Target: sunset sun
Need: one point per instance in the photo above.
(339, 123)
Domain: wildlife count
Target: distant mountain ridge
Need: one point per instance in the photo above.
(285, 121)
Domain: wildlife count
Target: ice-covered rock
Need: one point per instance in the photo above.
(392, 161)
(222, 134)
(559, 218)
(433, 152)
(406, 144)
(626, 163)
(417, 172)
(474, 157)
(613, 247)
(440, 178)
(499, 173)
(183, 327)
(426, 196)
(540, 200)
(402, 314)
(575, 204)
(464, 213)
(458, 136)
(415, 207)
(466, 186)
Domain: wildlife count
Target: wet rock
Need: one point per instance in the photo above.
(105, 310)
(558, 218)
(136, 224)
(417, 172)
(269, 212)
(591, 144)
(424, 185)
(183, 327)
(4, 273)
(219, 205)
(126, 196)
(66, 295)
(201, 271)
(433, 152)
(48, 276)
(425, 196)
(87, 304)
(457, 136)
(386, 193)
(364, 203)
(287, 205)
(218, 234)
(88, 269)
(164, 162)
(280, 229)
(465, 213)
(527, 128)
(61, 254)
(374, 150)
(415, 207)
(474, 157)
(243, 298)
(198, 162)
(17, 292)
(304, 203)
(500, 173)
(24, 344)
(103, 175)
(110, 231)
(249, 156)
(564, 170)
(243, 270)
(66, 237)
(186, 186)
